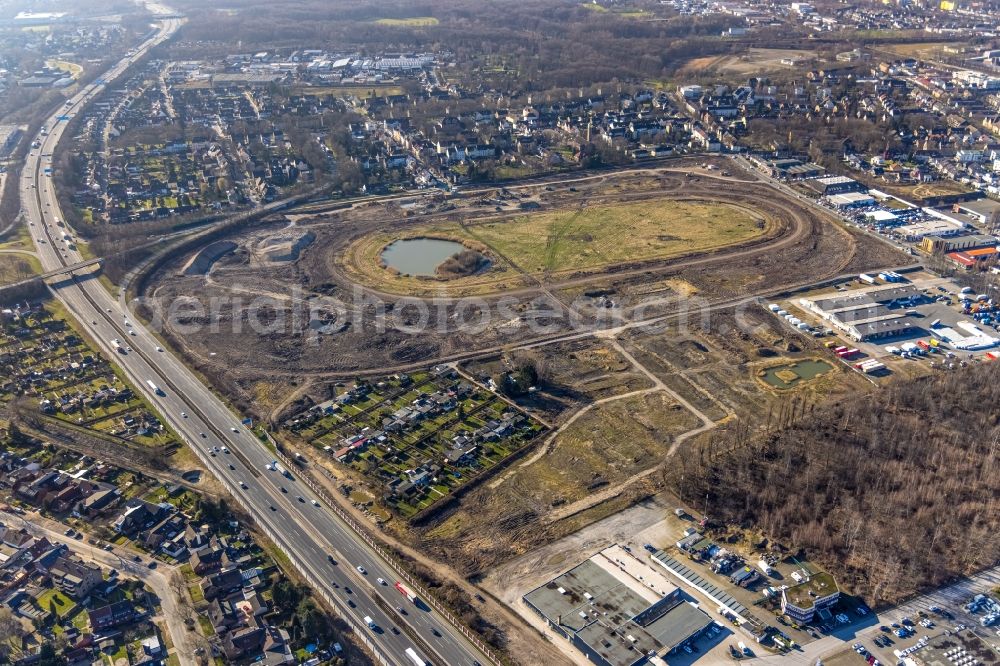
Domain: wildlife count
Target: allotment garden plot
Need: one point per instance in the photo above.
(45, 362)
(417, 438)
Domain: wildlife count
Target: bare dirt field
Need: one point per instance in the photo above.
(926, 190)
(754, 61)
(644, 351)
(303, 322)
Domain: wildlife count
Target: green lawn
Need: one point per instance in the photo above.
(206, 626)
(63, 604)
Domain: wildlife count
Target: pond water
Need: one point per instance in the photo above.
(419, 256)
(787, 376)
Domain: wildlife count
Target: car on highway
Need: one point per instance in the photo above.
(434, 630)
(350, 602)
(225, 449)
(231, 466)
(401, 610)
(203, 435)
(381, 581)
(284, 490)
(184, 415)
(361, 569)
(159, 349)
(243, 485)
(301, 499)
(272, 508)
(331, 560)
(234, 430)
(315, 503)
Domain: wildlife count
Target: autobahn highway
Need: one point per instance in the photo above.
(324, 549)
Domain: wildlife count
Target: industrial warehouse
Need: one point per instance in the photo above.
(617, 610)
(869, 314)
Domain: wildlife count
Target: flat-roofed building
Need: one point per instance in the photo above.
(851, 200)
(814, 595)
(828, 185)
(933, 245)
(936, 227)
(617, 610)
(867, 314)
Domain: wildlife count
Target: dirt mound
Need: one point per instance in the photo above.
(466, 262)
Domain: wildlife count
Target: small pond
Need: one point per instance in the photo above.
(419, 256)
(791, 374)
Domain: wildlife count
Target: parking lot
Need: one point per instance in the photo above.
(944, 610)
(941, 308)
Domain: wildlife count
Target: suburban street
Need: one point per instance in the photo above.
(159, 579)
(326, 551)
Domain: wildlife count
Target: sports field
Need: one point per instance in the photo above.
(560, 243)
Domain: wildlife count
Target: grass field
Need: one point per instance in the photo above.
(599, 236)
(17, 267)
(606, 447)
(920, 50)
(567, 241)
(412, 22)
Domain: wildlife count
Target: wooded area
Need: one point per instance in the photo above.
(892, 492)
(511, 45)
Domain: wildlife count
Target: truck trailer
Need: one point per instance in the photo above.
(406, 592)
(414, 657)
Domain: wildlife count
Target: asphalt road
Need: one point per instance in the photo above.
(306, 530)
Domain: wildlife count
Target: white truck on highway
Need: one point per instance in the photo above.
(370, 622)
(281, 470)
(117, 344)
(154, 388)
(414, 657)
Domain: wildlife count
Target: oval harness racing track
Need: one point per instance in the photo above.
(800, 246)
(793, 226)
